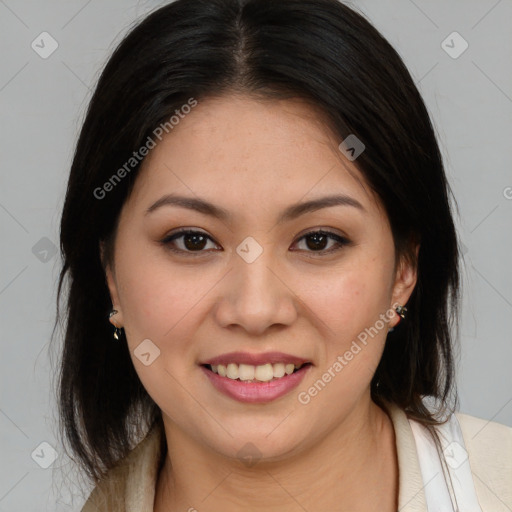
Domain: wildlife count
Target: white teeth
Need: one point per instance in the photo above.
(278, 370)
(246, 372)
(232, 371)
(264, 372)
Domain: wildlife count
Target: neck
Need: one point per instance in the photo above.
(353, 467)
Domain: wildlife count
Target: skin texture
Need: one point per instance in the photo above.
(254, 158)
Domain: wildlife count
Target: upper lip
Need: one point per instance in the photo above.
(255, 359)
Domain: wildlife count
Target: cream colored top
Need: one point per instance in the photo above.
(130, 486)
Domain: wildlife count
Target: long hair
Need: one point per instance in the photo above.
(317, 50)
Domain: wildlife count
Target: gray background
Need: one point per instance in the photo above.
(43, 102)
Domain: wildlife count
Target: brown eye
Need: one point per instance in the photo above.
(189, 241)
(317, 241)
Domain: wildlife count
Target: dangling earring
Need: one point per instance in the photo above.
(117, 330)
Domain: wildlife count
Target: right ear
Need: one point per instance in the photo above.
(117, 319)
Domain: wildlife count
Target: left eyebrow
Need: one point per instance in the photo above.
(296, 210)
(290, 213)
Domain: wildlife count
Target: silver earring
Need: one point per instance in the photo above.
(401, 310)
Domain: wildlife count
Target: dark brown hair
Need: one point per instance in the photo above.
(317, 50)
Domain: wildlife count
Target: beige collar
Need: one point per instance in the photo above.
(411, 497)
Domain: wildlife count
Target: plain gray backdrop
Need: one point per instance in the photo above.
(43, 97)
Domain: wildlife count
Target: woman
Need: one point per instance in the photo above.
(263, 275)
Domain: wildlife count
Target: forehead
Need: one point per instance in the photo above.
(253, 151)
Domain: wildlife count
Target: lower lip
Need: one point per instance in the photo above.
(256, 392)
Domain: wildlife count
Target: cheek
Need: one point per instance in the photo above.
(159, 303)
(351, 303)
(351, 298)
(156, 297)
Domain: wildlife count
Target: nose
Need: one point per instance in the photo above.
(255, 296)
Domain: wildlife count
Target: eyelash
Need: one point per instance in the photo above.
(340, 241)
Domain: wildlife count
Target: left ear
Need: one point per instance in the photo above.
(405, 280)
(117, 319)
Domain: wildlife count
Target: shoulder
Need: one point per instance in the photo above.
(489, 450)
(486, 439)
(132, 481)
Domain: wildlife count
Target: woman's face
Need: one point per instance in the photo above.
(256, 280)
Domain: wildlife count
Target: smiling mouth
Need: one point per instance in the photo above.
(255, 374)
